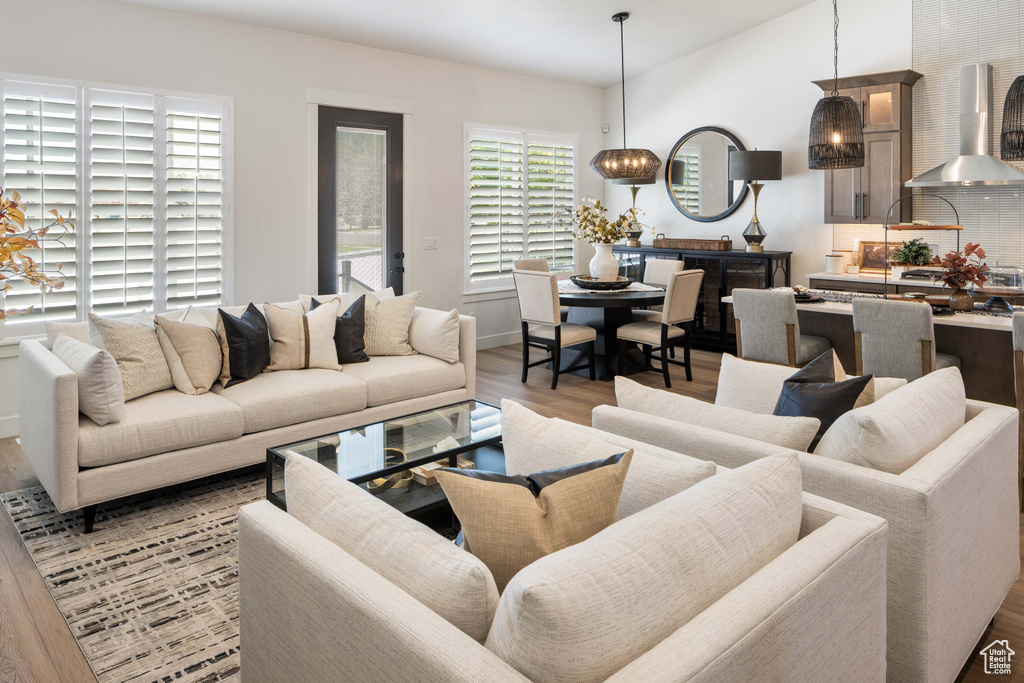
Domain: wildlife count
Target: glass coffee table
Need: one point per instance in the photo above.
(394, 459)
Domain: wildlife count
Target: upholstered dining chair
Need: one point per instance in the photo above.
(768, 329)
(1018, 385)
(896, 339)
(681, 296)
(543, 327)
(657, 271)
(539, 265)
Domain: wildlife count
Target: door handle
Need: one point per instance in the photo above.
(856, 205)
(864, 206)
(398, 271)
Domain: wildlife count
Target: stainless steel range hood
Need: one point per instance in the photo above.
(974, 166)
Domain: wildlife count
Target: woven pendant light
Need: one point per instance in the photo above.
(625, 166)
(837, 133)
(1011, 141)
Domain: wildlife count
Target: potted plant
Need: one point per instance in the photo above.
(912, 253)
(959, 270)
(590, 224)
(17, 243)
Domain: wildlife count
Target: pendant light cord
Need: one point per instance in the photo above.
(622, 63)
(835, 53)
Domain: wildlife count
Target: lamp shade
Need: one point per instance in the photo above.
(1011, 141)
(755, 165)
(837, 135)
(626, 166)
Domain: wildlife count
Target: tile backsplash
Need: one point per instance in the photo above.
(947, 34)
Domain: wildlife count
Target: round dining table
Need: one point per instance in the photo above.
(606, 312)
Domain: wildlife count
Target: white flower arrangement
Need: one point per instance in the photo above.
(590, 223)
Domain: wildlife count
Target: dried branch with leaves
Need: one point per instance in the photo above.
(18, 243)
(960, 268)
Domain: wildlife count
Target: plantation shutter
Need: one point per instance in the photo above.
(40, 162)
(686, 181)
(495, 203)
(551, 191)
(121, 204)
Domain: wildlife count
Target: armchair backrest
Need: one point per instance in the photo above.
(538, 297)
(767, 326)
(893, 338)
(681, 296)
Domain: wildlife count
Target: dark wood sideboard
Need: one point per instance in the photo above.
(723, 271)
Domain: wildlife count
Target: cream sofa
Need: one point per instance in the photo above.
(170, 437)
(310, 611)
(953, 518)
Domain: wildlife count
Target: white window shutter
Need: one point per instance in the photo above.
(121, 201)
(686, 184)
(495, 203)
(40, 162)
(551, 191)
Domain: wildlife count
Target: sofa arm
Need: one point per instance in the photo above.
(48, 413)
(311, 612)
(467, 352)
(814, 613)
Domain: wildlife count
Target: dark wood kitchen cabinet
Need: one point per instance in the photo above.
(863, 195)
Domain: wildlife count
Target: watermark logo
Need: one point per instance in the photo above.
(997, 657)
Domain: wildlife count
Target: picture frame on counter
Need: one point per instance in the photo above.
(873, 257)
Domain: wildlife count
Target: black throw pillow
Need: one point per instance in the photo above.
(248, 342)
(814, 392)
(349, 332)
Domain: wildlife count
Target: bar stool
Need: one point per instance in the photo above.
(539, 265)
(768, 329)
(896, 339)
(1018, 384)
(662, 335)
(538, 305)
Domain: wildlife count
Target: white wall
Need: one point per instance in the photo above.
(758, 86)
(267, 73)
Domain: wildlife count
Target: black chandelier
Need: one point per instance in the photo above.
(1011, 141)
(625, 166)
(837, 133)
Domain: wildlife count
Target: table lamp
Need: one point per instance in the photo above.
(752, 167)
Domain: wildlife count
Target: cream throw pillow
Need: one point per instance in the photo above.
(345, 299)
(302, 340)
(79, 331)
(583, 613)
(791, 432)
(387, 325)
(100, 391)
(192, 352)
(900, 428)
(435, 333)
(445, 578)
(137, 351)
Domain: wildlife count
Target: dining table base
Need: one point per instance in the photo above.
(607, 322)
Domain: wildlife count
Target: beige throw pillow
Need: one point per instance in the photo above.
(791, 432)
(79, 331)
(900, 428)
(445, 578)
(435, 333)
(387, 324)
(303, 340)
(192, 352)
(139, 357)
(583, 613)
(509, 521)
(100, 391)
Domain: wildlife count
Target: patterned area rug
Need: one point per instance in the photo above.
(151, 594)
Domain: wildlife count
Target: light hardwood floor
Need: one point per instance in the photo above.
(36, 644)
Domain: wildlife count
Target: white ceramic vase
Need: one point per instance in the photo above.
(604, 266)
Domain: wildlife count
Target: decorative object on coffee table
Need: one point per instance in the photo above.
(961, 269)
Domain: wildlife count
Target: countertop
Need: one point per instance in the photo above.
(873, 278)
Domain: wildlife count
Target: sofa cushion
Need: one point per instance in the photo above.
(445, 578)
(158, 423)
(278, 399)
(533, 442)
(584, 612)
(390, 379)
(790, 432)
(897, 430)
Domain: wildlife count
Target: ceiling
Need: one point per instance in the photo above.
(566, 40)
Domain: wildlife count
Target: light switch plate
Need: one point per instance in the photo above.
(430, 243)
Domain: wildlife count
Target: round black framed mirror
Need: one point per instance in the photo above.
(697, 175)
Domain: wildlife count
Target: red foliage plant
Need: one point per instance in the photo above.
(960, 268)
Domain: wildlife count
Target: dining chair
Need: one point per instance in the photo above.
(542, 325)
(657, 271)
(896, 339)
(1018, 385)
(680, 306)
(768, 329)
(539, 265)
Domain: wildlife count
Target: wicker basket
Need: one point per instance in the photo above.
(723, 244)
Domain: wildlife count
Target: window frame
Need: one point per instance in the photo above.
(504, 284)
(13, 328)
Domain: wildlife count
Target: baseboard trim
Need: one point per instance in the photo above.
(494, 340)
(9, 426)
